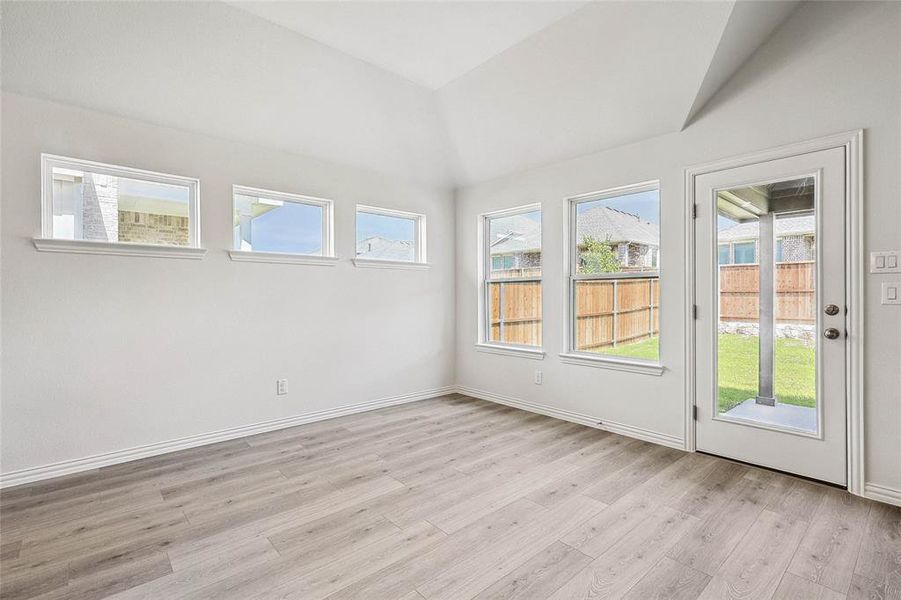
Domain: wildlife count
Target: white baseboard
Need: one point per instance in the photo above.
(882, 494)
(87, 463)
(582, 419)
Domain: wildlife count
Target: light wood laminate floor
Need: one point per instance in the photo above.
(450, 498)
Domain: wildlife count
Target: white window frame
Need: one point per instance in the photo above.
(420, 256)
(484, 343)
(327, 251)
(569, 354)
(47, 243)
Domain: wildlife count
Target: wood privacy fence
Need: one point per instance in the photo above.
(608, 312)
(795, 292)
(618, 311)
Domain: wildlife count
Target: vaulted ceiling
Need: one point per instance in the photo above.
(446, 93)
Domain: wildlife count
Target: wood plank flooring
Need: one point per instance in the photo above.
(444, 499)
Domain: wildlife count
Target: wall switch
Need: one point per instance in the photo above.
(891, 293)
(281, 387)
(885, 262)
(539, 377)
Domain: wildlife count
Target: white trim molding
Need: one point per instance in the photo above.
(881, 493)
(378, 263)
(117, 248)
(646, 435)
(282, 258)
(608, 362)
(97, 461)
(852, 142)
(508, 350)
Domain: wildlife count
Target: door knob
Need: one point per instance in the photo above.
(831, 333)
(831, 310)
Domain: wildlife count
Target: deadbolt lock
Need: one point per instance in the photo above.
(831, 310)
(831, 333)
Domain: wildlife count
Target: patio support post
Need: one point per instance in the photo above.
(767, 310)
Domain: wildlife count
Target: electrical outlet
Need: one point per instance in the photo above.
(539, 377)
(891, 293)
(281, 387)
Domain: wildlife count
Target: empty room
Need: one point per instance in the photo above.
(450, 300)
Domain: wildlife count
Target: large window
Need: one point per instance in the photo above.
(614, 279)
(390, 236)
(512, 277)
(95, 202)
(267, 221)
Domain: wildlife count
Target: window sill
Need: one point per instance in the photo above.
(631, 366)
(374, 263)
(282, 258)
(117, 249)
(534, 354)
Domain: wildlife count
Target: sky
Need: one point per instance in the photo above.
(296, 228)
(392, 228)
(292, 227)
(644, 204)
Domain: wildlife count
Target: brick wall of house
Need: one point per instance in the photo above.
(145, 228)
(100, 196)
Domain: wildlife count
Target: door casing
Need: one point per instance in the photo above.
(852, 142)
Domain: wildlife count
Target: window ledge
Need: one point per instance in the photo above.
(117, 249)
(374, 263)
(631, 366)
(534, 354)
(282, 258)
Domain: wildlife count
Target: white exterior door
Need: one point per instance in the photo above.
(771, 314)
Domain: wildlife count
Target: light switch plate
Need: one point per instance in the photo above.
(885, 262)
(891, 293)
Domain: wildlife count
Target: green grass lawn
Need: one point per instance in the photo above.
(795, 371)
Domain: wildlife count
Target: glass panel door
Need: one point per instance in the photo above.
(766, 337)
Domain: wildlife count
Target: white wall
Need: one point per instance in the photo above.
(832, 67)
(103, 353)
(214, 69)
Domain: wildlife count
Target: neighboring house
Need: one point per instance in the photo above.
(105, 208)
(795, 241)
(635, 242)
(385, 249)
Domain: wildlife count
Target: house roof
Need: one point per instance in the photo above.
(606, 224)
(798, 225)
(602, 223)
(385, 249)
(520, 234)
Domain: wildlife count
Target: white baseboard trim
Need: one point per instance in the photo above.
(635, 432)
(88, 463)
(882, 493)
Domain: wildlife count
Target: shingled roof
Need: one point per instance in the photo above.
(610, 225)
(797, 225)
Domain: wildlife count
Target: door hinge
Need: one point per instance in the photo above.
(694, 211)
(694, 412)
(694, 311)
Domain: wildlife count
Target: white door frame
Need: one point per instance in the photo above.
(852, 142)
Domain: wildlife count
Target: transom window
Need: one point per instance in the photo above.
(511, 305)
(89, 201)
(390, 235)
(268, 221)
(614, 277)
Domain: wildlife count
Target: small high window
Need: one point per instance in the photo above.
(267, 221)
(96, 202)
(390, 236)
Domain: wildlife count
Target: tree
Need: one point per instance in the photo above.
(598, 257)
